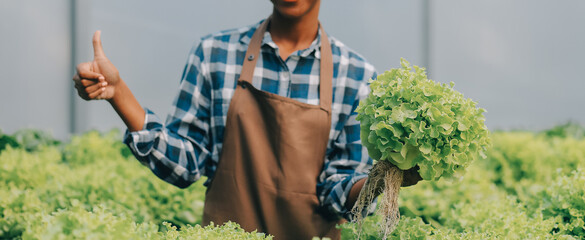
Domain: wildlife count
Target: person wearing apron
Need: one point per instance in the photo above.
(273, 148)
(273, 152)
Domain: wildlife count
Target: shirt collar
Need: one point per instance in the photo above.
(267, 40)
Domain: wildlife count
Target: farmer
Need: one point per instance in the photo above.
(266, 112)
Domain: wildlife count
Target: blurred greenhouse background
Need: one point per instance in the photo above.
(522, 60)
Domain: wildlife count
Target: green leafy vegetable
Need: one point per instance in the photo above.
(33, 139)
(6, 141)
(408, 114)
(409, 122)
(531, 186)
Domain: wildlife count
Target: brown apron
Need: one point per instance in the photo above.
(273, 153)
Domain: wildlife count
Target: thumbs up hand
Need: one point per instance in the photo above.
(96, 79)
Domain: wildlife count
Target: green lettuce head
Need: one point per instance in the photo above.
(411, 120)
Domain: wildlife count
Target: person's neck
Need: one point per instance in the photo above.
(291, 35)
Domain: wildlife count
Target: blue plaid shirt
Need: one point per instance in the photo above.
(190, 143)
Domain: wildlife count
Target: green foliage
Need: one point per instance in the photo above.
(93, 146)
(408, 228)
(407, 115)
(101, 223)
(6, 140)
(26, 170)
(530, 186)
(78, 223)
(523, 163)
(15, 207)
(569, 129)
(226, 231)
(90, 171)
(29, 139)
(564, 200)
(484, 219)
(503, 218)
(33, 139)
(429, 200)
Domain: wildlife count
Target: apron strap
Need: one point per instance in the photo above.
(252, 53)
(326, 64)
(326, 68)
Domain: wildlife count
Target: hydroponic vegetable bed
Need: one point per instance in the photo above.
(530, 186)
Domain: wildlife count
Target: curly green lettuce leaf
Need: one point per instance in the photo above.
(411, 120)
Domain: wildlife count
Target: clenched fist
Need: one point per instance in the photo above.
(99, 78)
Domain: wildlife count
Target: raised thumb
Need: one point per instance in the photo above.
(98, 51)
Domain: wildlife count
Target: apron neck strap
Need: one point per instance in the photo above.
(326, 63)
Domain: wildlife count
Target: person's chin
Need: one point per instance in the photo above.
(291, 15)
(284, 1)
(293, 9)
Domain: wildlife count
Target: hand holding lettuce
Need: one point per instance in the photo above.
(409, 121)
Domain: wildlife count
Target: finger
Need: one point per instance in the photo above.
(98, 51)
(95, 94)
(90, 82)
(93, 88)
(102, 95)
(84, 67)
(84, 70)
(90, 76)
